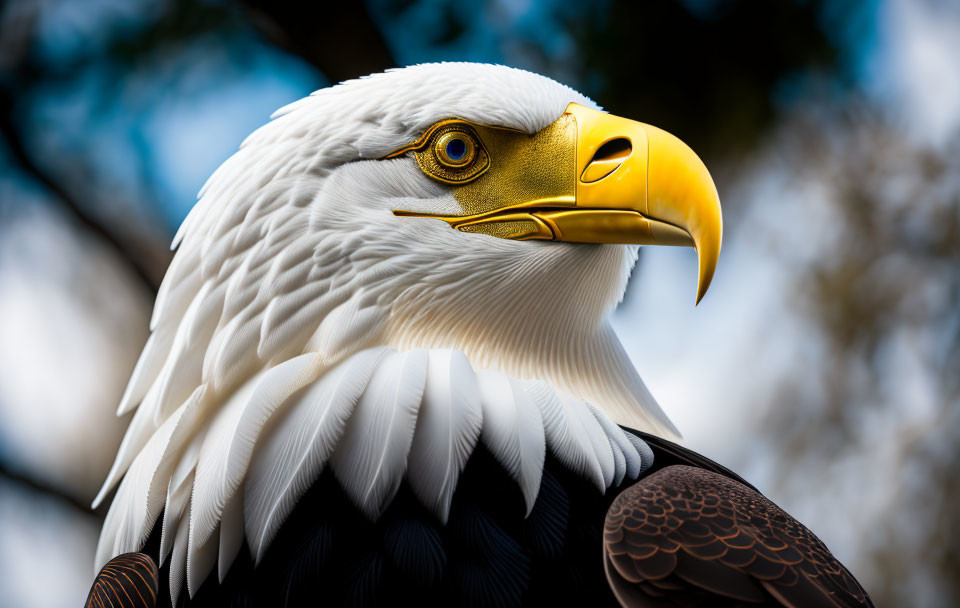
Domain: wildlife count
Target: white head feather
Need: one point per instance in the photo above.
(301, 323)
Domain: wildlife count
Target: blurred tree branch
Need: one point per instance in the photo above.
(105, 231)
(882, 297)
(38, 486)
(341, 40)
(20, 72)
(338, 38)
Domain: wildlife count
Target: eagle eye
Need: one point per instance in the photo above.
(454, 149)
(454, 154)
(450, 152)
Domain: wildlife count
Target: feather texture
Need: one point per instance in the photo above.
(448, 427)
(572, 435)
(513, 431)
(178, 558)
(225, 462)
(296, 448)
(372, 455)
(231, 534)
(178, 496)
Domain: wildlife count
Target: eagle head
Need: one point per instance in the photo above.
(433, 234)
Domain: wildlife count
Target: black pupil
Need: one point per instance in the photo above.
(456, 148)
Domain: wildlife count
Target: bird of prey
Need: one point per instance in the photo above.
(381, 370)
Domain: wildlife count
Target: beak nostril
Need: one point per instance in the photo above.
(606, 159)
(615, 149)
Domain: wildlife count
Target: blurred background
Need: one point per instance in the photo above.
(824, 364)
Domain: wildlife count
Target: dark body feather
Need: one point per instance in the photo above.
(487, 554)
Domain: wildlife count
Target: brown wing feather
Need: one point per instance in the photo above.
(684, 536)
(126, 581)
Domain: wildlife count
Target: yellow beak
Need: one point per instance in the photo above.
(637, 184)
(590, 177)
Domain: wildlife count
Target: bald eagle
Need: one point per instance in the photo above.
(381, 370)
